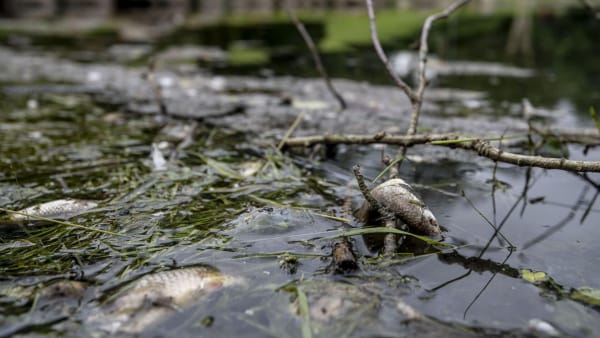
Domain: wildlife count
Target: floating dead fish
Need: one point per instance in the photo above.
(156, 296)
(333, 304)
(59, 209)
(398, 196)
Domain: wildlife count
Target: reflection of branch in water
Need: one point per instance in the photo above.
(444, 284)
(493, 225)
(503, 222)
(478, 265)
(560, 224)
(494, 181)
(589, 207)
(488, 283)
(586, 178)
(525, 190)
(475, 264)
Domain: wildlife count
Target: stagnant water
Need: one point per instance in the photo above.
(269, 229)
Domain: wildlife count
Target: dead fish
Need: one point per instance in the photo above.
(156, 296)
(398, 196)
(334, 302)
(59, 209)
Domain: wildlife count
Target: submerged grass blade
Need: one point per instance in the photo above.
(69, 224)
(391, 165)
(384, 230)
(223, 169)
(304, 313)
(220, 167)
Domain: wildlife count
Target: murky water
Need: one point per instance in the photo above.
(272, 230)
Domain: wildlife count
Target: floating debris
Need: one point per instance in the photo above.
(156, 296)
(336, 309)
(158, 159)
(344, 259)
(398, 196)
(542, 327)
(406, 63)
(59, 209)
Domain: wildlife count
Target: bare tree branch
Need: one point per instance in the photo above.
(416, 98)
(480, 146)
(316, 57)
(423, 51)
(384, 59)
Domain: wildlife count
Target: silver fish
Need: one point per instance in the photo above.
(399, 197)
(59, 209)
(156, 296)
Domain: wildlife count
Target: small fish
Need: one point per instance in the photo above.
(399, 197)
(59, 209)
(156, 296)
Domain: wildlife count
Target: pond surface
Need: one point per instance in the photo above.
(232, 203)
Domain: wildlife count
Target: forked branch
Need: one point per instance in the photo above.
(416, 97)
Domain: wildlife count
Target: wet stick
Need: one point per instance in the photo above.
(415, 96)
(316, 57)
(389, 219)
(479, 145)
(344, 259)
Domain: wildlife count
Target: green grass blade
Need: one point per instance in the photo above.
(221, 168)
(289, 132)
(384, 230)
(394, 162)
(304, 313)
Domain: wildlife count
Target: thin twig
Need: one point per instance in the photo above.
(389, 220)
(155, 86)
(387, 213)
(423, 51)
(384, 59)
(480, 146)
(416, 98)
(316, 56)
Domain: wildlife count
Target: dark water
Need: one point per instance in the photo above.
(56, 146)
